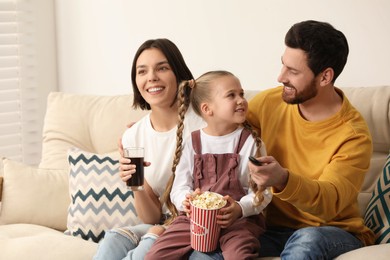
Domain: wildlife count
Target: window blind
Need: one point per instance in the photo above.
(20, 132)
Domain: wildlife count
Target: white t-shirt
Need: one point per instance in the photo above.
(159, 147)
(183, 183)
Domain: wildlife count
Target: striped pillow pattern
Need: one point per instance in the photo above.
(377, 216)
(99, 199)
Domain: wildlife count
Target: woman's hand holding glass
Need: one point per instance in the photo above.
(126, 169)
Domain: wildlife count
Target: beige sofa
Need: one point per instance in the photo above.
(35, 201)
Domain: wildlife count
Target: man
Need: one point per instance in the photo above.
(320, 149)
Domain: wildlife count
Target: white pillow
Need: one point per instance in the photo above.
(34, 196)
(100, 200)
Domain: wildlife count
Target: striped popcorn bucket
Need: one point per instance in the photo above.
(204, 229)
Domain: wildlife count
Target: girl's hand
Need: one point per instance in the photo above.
(186, 202)
(228, 214)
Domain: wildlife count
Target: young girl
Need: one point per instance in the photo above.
(158, 67)
(215, 158)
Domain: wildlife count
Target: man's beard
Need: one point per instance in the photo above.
(300, 97)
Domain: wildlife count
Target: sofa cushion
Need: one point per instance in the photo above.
(27, 241)
(34, 196)
(376, 252)
(377, 216)
(99, 198)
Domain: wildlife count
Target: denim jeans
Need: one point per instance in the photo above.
(308, 243)
(216, 255)
(132, 242)
(305, 243)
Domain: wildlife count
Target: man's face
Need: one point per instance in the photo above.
(299, 82)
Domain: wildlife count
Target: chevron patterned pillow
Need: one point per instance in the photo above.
(377, 216)
(99, 199)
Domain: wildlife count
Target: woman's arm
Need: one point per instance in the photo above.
(148, 205)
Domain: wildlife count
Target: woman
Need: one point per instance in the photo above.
(158, 68)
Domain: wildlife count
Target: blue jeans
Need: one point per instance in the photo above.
(305, 243)
(308, 243)
(216, 255)
(131, 242)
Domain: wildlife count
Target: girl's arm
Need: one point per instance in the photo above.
(183, 183)
(246, 203)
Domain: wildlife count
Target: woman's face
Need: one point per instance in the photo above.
(155, 79)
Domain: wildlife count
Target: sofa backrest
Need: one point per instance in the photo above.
(374, 105)
(95, 124)
(91, 123)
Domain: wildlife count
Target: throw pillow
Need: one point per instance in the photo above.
(34, 196)
(100, 200)
(377, 216)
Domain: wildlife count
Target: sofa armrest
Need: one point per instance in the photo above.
(1, 186)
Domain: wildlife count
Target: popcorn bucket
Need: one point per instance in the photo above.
(204, 228)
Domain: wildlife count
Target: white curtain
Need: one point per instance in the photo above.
(21, 99)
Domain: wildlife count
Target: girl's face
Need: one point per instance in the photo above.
(155, 79)
(228, 105)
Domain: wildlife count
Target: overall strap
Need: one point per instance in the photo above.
(196, 144)
(245, 133)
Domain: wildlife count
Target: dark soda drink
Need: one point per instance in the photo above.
(136, 156)
(137, 179)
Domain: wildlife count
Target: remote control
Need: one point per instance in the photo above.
(254, 161)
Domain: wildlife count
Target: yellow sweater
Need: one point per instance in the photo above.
(327, 162)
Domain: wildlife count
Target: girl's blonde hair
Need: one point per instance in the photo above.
(194, 93)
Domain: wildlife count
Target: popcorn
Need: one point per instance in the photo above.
(208, 200)
(204, 227)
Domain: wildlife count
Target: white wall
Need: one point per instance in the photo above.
(98, 38)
